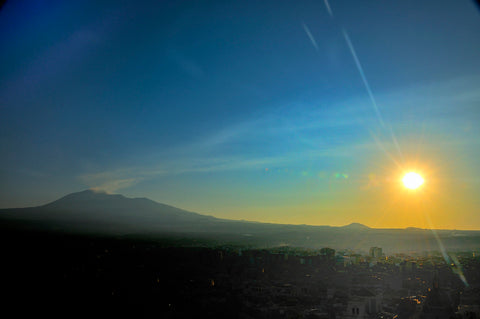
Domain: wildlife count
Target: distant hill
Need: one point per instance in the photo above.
(95, 212)
(356, 226)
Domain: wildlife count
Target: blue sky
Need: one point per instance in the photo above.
(275, 111)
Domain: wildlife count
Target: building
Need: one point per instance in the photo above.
(376, 252)
(363, 303)
(469, 307)
(437, 305)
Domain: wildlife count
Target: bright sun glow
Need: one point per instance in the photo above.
(412, 180)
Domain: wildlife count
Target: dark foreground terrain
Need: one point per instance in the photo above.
(60, 275)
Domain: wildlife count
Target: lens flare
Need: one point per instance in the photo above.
(412, 180)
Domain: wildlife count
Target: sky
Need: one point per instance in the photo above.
(299, 112)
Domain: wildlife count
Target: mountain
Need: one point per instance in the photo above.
(100, 205)
(94, 212)
(356, 226)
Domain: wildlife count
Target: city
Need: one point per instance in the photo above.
(145, 278)
(240, 159)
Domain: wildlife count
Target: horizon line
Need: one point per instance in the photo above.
(96, 190)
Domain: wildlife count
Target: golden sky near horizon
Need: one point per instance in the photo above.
(301, 113)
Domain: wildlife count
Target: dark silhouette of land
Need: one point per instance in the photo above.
(91, 212)
(78, 276)
(96, 255)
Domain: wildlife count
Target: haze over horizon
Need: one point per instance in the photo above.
(66, 204)
(278, 112)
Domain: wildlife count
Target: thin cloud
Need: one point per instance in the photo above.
(115, 185)
(186, 64)
(56, 61)
(314, 136)
(115, 180)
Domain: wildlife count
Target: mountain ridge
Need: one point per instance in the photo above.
(96, 212)
(100, 195)
(96, 196)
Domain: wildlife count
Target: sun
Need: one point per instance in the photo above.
(412, 180)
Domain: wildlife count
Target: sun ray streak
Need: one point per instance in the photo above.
(329, 9)
(395, 142)
(380, 146)
(370, 93)
(451, 262)
(364, 78)
(310, 36)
